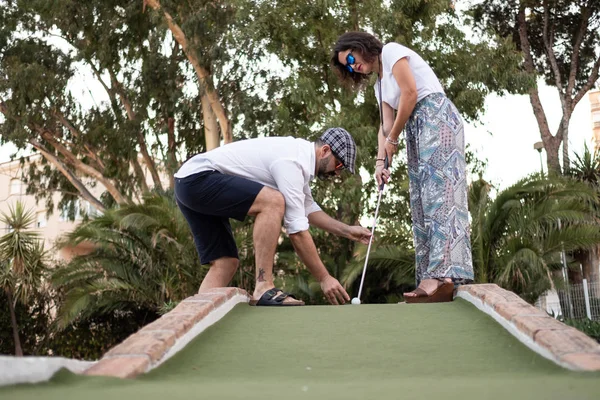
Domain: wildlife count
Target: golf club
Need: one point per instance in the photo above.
(356, 300)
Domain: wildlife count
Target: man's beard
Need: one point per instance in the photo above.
(322, 173)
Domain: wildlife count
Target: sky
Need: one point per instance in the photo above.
(508, 131)
(504, 136)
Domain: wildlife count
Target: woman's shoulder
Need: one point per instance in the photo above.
(392, 46)
(395, 50)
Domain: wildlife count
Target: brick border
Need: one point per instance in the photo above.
(159, 340)
(548, 337)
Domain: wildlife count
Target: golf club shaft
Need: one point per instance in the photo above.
(362, 279)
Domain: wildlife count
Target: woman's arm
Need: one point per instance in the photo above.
(406, 104)
(382, 175)
(388, 121)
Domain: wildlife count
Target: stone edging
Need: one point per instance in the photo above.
(545, 335)
(159, 340)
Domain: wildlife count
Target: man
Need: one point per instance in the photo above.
(267, 178)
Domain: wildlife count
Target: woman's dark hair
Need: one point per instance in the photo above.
(364, 43)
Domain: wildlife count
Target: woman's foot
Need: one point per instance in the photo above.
(431, 291)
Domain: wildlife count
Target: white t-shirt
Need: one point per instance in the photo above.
(286, 164)
(426, 80)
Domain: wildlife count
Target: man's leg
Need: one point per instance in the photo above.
(220, 273)
(268, 209)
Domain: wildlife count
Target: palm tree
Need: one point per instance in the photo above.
(23, 265)
(390, 272)
(143, 257)
(586, 168)
(518, 237)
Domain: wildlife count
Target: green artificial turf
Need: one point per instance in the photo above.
(437, 351)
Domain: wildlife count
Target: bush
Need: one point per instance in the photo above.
(90, 339)
(32, 324)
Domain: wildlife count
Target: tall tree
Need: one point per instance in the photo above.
(559, 41)
(586, 168)
(22, 265)
(188, 23)
(139, 123)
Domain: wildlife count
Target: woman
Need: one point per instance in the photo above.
(408, 87)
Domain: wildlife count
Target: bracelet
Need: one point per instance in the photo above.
(395, 143)
(379, 159)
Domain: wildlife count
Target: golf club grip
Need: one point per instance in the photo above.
(386, 164)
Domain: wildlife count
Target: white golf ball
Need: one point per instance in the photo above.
(356, 301)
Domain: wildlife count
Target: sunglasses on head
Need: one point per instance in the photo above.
(350, 60)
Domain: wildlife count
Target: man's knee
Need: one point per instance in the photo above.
(269, 200)
(278, 203)
(229, 264)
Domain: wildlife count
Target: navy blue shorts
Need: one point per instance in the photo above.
(207, 200)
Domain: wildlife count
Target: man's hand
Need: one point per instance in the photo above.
(359, 234)
(334, 292)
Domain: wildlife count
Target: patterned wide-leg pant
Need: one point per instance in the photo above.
(438, 190)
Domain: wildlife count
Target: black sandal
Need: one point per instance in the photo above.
(275, 297)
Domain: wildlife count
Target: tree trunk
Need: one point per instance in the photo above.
(85, 193)
(150, 164)
(137, 169)
(82, 167)
(211, 128)
(564, 134)
(13, 322)
(203, 75)
(551, 143)
(171, 152)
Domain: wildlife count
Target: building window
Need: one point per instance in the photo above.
(596, 118)
(41, 219)
(64, 213)
(82, 209)
(15, 186)
(90, 210)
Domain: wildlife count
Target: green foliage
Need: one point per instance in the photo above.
(390, 272)
(517, 237)
(91, 338)
(34, 321)
(22, 263)
(568, 22)
(143, 257)
(586, 167)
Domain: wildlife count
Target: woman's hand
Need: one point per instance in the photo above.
(391, 148)
(381, 174)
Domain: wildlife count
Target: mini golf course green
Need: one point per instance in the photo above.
(390, 351)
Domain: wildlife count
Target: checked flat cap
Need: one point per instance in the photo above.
(342, 146)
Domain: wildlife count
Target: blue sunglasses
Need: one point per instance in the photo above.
(350, 60)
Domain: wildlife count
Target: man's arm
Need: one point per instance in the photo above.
(323, 221)
(307, 251)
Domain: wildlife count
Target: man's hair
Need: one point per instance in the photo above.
(319, 143)
(364, 43)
